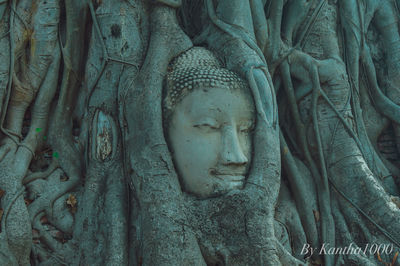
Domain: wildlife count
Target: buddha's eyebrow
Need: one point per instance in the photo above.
(215, 109)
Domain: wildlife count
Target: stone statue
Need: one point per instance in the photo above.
(208, 115)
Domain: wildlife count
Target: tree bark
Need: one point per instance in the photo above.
(86, 176)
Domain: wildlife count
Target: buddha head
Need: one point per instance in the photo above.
(208, 114)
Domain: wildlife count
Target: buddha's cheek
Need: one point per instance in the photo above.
(196, 156)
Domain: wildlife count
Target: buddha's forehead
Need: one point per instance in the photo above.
(218, 101)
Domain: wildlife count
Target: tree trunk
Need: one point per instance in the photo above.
(86, 175)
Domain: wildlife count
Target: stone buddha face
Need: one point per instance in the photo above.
(210, 138)
(209, 132)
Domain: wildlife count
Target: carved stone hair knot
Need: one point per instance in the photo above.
(196, 68)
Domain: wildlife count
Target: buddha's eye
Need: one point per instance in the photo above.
(204, 126)
(208, 124)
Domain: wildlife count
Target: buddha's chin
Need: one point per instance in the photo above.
(227, 184)
(238, 184)
(217, 186)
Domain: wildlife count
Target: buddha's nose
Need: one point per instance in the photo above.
(232, 152)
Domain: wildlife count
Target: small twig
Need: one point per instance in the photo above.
(310, 23)
(123, 62)
(18, 16)
(28, 148)
(4, 35)
(348, 128)
(106, 57)
(104, 49)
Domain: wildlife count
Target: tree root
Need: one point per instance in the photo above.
(41, 175)
(322, 192)
(58, 250)
(46, 201)
(299, 193)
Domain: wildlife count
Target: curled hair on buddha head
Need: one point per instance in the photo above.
(193, 69)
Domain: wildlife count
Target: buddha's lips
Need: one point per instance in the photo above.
(233, 177)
